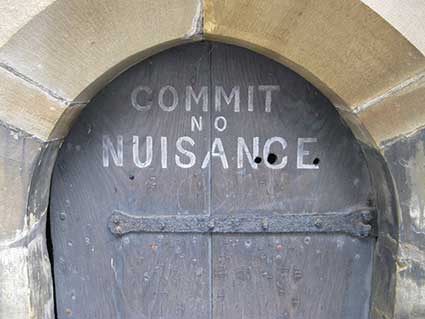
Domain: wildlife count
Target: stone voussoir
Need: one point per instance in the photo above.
(349, 67)
(81, 45)
(27, 107)
(399, 113)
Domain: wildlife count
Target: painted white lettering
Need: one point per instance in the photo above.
(242, 147)
(189, 154)
(217, 144)
(108, 148)
(135, 94)
(266, 152)
(268, 101)
(250, 98)
(197, 123)
(220, 127)
(136, 152)
(235, 94)
(190, 93)
(175, 98)
(164, 152)
(301, 153)
(206, 160)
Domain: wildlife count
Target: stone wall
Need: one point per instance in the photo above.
(406, 159)
(367, 57)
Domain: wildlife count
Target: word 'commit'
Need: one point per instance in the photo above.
(142, 97)
(185, 157)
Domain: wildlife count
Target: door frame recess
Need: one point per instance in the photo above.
(62, 56)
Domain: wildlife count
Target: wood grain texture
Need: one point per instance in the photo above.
(298, 110)
(311, 276)
(171, 276)
(154, 276)
(287, 276)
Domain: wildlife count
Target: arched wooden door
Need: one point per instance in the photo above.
(211, 182)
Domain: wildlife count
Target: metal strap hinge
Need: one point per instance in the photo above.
(357, 223)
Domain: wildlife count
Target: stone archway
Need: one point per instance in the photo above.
(55, 63)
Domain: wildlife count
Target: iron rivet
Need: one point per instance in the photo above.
(367, 216)
(318, 223)
(118, 229)
(115, 220)
(365, 231)
(265, 224)
(211, 225)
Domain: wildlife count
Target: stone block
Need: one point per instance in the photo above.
(19, 155)
(27, 108)
(397, 114)
(15, 14)
(14, 288)
(406, 160)
(343, 47)
(75, 47)
(26, 165)
(408, 18)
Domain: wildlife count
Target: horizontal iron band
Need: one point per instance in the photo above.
(357, 223)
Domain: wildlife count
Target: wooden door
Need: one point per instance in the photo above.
(211, 182)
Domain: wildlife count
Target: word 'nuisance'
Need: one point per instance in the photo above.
(187, 155)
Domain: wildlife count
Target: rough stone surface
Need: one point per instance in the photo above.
(16, 13)
(406, 159)
(24, 106)
(343, 47)
(14, 288)
(18, 157)
(397, 114)
(75, 47)
(407, 17)
(25, 169)
(26, 282)
(41, 297)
